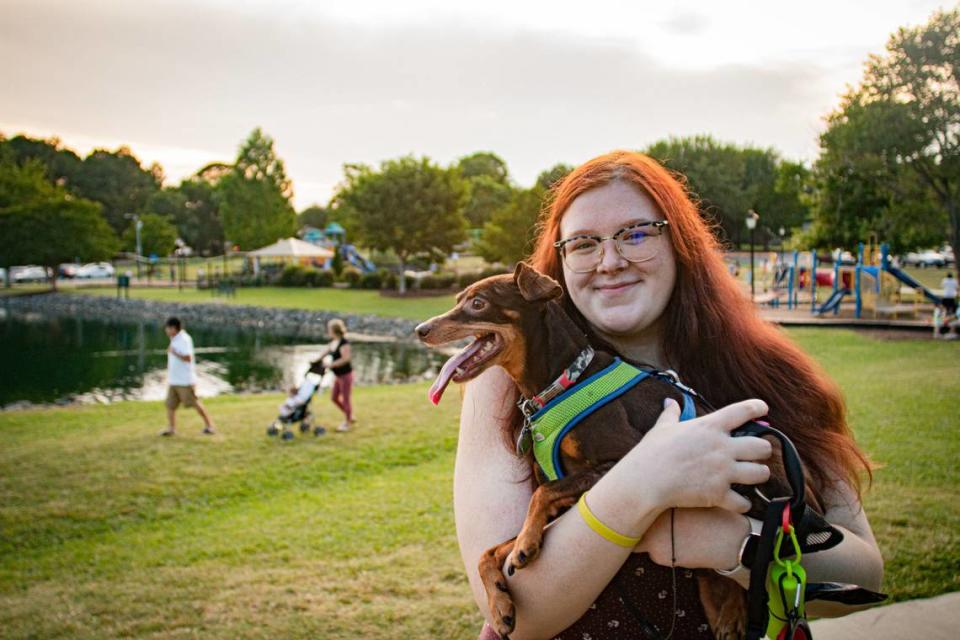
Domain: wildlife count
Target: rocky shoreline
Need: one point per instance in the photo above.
(297, 323)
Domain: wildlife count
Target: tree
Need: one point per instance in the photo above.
(116, 180)
(61, 165)
(484, 163)
(484, 196)
(508, 236)
(410, 206)
(488, 186)
(890, 157)
(194, 210)
(548, 178)
(313, 216)
(729, 180)
(25, 184)
(46, 227)
(158, 236)
(255, 196)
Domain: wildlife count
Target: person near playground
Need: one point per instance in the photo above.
(337, 358)
(676, 308)
(182, 377)
(949, 286)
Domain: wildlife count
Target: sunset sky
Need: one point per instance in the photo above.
(182, 83)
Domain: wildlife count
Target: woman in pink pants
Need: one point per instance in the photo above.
(339, 351)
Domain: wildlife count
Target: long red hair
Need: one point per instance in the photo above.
(712, 333)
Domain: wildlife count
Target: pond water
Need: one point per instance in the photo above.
(47, 360)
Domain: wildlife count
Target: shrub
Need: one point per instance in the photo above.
(437, 281)
(371, 280)
(492, 271)
(352, 277)
(324, 279)
(464, 280)
(446, 280)
(293, 276)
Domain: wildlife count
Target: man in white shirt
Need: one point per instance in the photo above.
(182, 377)
(949, 286)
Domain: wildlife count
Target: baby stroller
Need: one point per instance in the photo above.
(297, 407)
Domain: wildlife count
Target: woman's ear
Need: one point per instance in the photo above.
(534, 286)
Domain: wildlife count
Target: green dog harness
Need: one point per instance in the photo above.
(547, 427)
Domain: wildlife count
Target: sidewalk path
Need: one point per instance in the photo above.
(931, 619)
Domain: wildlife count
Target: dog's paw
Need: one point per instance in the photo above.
(524, 552)
(502, 611)
(732, 620)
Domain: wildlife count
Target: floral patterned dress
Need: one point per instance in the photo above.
(639, 603)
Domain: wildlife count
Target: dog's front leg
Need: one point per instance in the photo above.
(499, 602)
(547, 501)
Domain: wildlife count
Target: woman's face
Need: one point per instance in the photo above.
(622, 300)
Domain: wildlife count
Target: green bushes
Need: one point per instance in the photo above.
(438, 281)
(466, 279)
(353, 277)
(295, 275)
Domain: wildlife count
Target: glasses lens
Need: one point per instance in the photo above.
(638, 244)
(582, 254)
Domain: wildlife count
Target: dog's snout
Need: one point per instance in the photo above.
(423, 329)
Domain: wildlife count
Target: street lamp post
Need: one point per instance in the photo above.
(137, 225)
(751, 221)
(782, 233)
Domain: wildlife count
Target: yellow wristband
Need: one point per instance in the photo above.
(602, 529)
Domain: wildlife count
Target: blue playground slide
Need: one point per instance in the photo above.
(911, 282)
(351, 255)
(833, 301)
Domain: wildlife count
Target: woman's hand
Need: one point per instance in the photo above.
(693, 463)
(701, 538)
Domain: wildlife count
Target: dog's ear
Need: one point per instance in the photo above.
(534, 286)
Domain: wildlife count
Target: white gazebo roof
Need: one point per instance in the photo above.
(291, 248)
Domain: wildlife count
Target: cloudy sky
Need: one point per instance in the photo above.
(182, 83)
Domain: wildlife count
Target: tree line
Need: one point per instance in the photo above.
(889, 164)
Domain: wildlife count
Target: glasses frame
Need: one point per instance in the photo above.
(616, 237)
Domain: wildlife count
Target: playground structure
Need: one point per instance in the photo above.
(351, 255)
(874, 283)
(334, 237)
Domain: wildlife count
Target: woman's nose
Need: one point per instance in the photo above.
(610, 258)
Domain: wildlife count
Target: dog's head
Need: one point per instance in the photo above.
(496, 312)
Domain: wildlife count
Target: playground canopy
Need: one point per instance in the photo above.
(291, 248)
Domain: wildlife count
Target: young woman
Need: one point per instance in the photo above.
(659, 294)
(337, 359)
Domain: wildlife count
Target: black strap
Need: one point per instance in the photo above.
(757, 597)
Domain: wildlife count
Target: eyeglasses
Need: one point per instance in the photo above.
(636, 243)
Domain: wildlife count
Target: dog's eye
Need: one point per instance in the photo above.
(478, 304)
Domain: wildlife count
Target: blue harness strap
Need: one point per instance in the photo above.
(553, 422)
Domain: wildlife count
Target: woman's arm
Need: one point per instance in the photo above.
(691, 465)
(711, 539)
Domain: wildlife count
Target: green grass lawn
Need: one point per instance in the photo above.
(107, 530)
(22, 289)
(930, 277)
(338, 300)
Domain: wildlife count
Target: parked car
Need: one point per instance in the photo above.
(929, 258)
(96, 270)
(28, 273)
(68, 270)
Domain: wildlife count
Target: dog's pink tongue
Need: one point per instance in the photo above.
(446, 372)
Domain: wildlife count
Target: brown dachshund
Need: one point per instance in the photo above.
(517, 323)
